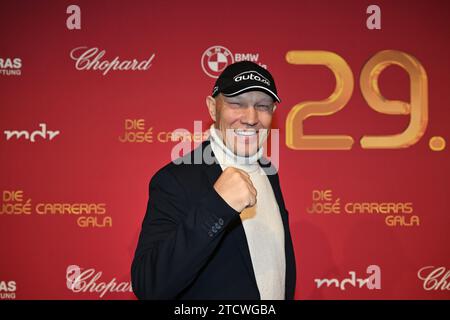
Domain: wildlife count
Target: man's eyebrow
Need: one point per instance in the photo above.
(268, 101)
(259, 101)
(237, 98)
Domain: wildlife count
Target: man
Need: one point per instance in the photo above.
(219, 229)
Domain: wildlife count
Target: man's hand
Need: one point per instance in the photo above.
(236, 188)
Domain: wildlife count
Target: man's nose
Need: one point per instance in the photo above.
(250, 116)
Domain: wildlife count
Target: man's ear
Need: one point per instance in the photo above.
(211, 104)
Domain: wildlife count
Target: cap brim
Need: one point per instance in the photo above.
(231, 92)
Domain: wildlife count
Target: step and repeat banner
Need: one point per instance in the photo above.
(95, 96)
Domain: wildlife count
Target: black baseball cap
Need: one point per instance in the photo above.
(245, 76)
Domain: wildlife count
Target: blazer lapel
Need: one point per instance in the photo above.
(213, 171)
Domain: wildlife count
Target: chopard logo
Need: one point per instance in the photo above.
(434, 278)
(78, 280)
(91, 59)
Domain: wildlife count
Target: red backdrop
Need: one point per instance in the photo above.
(84, 168)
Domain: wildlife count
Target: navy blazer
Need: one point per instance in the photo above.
(192, 243)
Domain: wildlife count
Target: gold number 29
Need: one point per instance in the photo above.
(417, 107)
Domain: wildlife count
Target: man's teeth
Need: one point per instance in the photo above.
(246, 133)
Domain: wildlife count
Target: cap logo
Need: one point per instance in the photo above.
(251, 75)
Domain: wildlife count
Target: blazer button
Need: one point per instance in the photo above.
(210, 233)
(221, 221)
(218, 226)
(214, 229)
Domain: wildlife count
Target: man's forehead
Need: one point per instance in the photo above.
(252, 95)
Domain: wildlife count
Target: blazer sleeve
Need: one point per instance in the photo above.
(177, 237)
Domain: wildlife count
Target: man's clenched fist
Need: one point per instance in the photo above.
(236, 188)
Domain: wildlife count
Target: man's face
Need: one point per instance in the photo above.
(242, 121)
